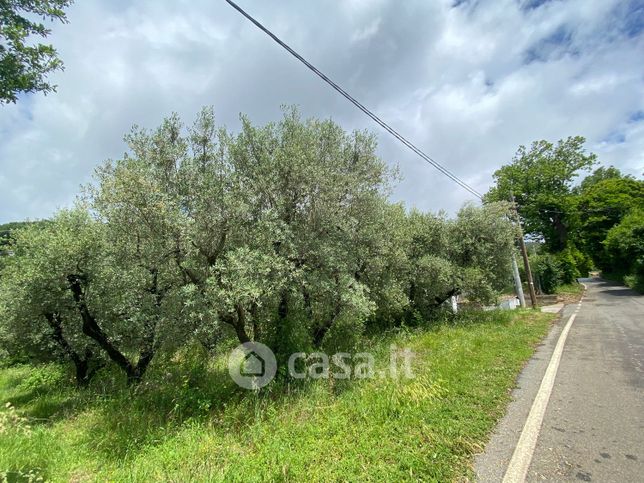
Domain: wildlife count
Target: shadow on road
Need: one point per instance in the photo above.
(614, 288)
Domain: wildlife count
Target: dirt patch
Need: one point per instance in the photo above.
(569, 298)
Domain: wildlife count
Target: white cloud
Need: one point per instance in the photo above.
(467, 84)
(367, 32)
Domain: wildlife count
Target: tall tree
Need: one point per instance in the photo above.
(541, 180)
(602, 205)
(24, 66)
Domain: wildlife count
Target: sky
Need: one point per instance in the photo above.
(466, 81)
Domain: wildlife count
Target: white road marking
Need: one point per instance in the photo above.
(518, 468)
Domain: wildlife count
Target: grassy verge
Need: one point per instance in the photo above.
(189, 423)
(570, 289)
(569, 293)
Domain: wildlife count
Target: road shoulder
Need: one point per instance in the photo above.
(490, 466)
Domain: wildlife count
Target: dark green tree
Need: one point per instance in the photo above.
(24, 64)
(601, 207)
(624, 246)
(600, 174)
(541, 179)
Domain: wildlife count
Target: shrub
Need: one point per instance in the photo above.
(44, 377)
(584, 262)
(567, 263)
(636, 279)
(547, 271)
(624, 244)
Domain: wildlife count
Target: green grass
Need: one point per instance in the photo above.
(569, 289)
(190, 423)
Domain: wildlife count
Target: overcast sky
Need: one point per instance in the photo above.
(467, 81)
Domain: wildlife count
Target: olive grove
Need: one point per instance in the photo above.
(281, 233)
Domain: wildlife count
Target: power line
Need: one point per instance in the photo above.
(581, 210)
(359, 105)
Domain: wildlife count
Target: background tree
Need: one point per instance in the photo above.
(541, 180)
(573, 221)
(624, 246)
(602, 205)
(7, 229)
(24, 66)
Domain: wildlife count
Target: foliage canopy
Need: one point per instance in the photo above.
(541, 180)
(24, 65)
(281, 234)
(574, 221)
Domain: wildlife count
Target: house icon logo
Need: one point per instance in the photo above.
(252, 365)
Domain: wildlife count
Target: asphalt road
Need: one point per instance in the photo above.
(593, 427)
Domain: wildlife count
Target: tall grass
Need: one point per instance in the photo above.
(189, 422)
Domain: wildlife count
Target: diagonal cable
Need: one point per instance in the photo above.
(359, 105)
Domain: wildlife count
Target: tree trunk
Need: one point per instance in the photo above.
(240, 326)
(321, 331)
(237, 323)
(149, 339)
(412, 292)
(82, 373)
(308, 307)
(282, 309)
(92, 330)
(81, 364)
(562, 232)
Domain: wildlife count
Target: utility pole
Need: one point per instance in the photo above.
(517, 281)
(524, 254)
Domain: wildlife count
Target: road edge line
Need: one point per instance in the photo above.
(517, 469)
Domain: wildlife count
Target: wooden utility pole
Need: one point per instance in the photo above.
(524, 254)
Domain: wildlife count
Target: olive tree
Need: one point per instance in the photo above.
(282, 234)
(266, 230)
(39, 316)
(467, 255)
(78, 286)
(481, 246)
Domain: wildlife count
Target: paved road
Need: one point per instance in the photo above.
(593, 428)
